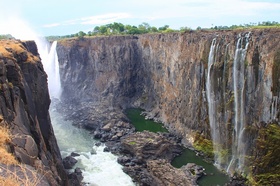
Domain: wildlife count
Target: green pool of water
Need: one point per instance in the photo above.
(214, 177)
(141, 124)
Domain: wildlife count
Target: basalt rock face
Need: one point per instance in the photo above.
(24, 104)
(184, 80)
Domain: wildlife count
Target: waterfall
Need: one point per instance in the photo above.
(52, 69)
(218, 96)
(238, 145)
(274, 107)
(215, 129)
(51, 66)
(225, 100)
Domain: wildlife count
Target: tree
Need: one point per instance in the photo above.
(81, 34)
(163, 28)
(183, 29)
(117, 27)
(103, 29)
(96, 30)
(154, 29)
(168, 30)
(90, 33)
(144, 28)
(134, 30)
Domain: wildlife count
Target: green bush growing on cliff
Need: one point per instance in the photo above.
(266, 160)
(204, 145)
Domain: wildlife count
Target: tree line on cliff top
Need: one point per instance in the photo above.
(144, 28)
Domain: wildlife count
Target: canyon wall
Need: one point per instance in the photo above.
(217, 85)
(24, 104)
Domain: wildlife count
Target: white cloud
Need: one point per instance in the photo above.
(51, 25)
(103, 19)
(92, 20)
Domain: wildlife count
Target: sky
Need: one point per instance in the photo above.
(63, 17)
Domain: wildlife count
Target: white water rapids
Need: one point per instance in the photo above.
(98, 167)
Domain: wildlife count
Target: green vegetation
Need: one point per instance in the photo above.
(144, 28)
(204, 145)
(6, 36)
(132, 143)
(266, 162)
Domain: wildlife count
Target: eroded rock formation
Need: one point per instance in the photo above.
(24, 104)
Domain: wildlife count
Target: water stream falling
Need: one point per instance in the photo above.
(218, 118)
(274, 107)
(99, 168)
(215, 129)
(238, 147)
(53, 71)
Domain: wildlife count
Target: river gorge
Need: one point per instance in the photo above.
(216, 92)
(220, 86)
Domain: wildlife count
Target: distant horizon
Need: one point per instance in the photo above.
(59, 18)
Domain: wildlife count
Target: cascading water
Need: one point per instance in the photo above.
(52, 69)
(99, 167)
(274, 107)
(215, 129)
(51, 66)
(228, 155)
(225, 114)
(238, 145)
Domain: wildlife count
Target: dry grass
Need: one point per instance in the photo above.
(17, 48)
(9, 181)
(19, 175)
(12, 173)
(5, 137)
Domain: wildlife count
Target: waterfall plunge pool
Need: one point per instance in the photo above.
(99, 168)
(214, 176)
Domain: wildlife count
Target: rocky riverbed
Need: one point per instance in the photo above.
(145, 156)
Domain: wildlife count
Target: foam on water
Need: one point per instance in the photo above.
(99, 167)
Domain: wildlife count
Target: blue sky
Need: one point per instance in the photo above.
(62, 17)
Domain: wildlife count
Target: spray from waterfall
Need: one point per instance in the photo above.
(48, 57)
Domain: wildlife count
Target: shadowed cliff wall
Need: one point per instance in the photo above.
(24, 104)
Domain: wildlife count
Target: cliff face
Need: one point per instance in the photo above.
(221, 85)
(24, 106)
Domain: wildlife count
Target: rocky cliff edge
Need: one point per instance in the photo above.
(24, 104)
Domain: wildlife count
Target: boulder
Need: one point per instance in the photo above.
(69, 162)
